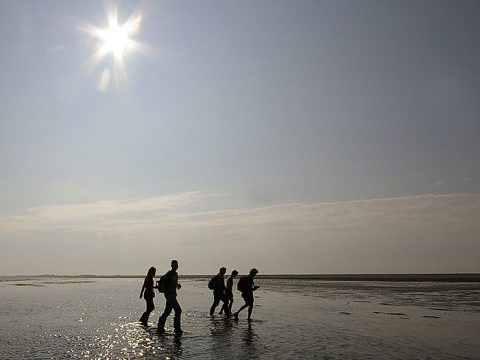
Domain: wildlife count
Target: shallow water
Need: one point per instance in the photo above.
(54, 318)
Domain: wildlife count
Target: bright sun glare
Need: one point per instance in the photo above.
(117, 40)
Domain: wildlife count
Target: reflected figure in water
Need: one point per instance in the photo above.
(148, 294)
(229, 291)
(223, 339)
(169, 285)
(217, 284)
(247, 287)
(249, 335)
(171, 347)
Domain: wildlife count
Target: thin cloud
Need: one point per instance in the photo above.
(97, 213)
(428, 233)
(175, 211)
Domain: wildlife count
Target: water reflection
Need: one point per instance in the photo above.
(249, 335)
(171, 346)
(222, 336)
(134, 340)
(249, 340)
(220, 327)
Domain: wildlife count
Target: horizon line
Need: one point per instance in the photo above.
(402, 277)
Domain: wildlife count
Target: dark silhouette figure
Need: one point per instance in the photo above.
(148, 294)
(246, 286)
(229, 291)
(218, 283)
(170, 292)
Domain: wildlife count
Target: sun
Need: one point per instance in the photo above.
(117, 40)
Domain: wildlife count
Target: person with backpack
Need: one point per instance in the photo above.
(148, 294)
(229, 291)
(247, 287)
(217, 284)
(168, 284)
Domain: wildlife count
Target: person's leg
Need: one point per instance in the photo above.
(144, 318)
(229, 297)
(221, 310)
(216, 301)
(176, 320)
(230, 304)
(163, 317)
(150, 305)
(144, 315)
(235, 315)
(225, 305)
(249, 301)
(150, 308)
(248, 297)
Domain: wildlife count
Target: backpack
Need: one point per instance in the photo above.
(211, 283)
(161, 284)
(242, 284)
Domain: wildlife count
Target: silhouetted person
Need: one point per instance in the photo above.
(229, 291)
(170, 291)
(218, 283)
(246, 286)
(148, 294)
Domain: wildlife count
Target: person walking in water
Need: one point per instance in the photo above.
(246, 286)
(217, 284)
(148, 294)
(229, 291)
(169, 287)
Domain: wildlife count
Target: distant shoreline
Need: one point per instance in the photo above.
(460, 277)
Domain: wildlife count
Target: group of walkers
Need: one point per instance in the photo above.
(168, 285)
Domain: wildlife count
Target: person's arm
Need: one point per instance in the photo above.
(254, 287)
(179, 286)
(143, 287)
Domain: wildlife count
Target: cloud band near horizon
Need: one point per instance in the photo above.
(425, 233)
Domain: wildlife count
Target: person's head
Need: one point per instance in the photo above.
(174, 264)
(223, 270)
(253, 272)
(151, 272)
(234, 273)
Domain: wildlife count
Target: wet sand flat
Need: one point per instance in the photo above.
(293, 318)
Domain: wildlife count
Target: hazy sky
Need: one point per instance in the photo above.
(293, 136)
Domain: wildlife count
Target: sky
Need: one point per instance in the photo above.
(291, 136)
